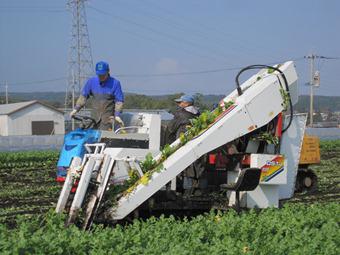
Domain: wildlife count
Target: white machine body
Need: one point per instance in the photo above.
(273, 174)
(260, 102)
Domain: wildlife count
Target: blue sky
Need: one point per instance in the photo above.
(160, 37)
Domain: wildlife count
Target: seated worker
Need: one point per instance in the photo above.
(185, 111)
(108, 97)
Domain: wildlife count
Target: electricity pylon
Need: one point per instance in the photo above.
(80, 64)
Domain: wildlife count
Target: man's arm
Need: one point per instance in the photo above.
(119, 99)
(173, 126)
(85, 93)
(178, 124)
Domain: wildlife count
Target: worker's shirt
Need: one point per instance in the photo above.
(109, 90)
(180, 121)
(105, 95)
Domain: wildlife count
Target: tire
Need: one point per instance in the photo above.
(306, 181)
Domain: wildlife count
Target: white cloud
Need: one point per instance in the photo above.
(167, 65)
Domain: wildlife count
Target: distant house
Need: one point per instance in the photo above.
(165, 115)
(30, 118)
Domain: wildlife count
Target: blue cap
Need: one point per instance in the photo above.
(102, 68)
(185, 98)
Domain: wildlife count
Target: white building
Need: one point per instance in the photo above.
(30, 118)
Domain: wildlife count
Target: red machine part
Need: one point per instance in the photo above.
(278, 131)
(61, 181)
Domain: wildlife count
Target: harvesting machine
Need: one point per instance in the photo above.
(119, 175)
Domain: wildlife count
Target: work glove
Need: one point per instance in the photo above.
(74, 111)
(118, 118)
(119, 121)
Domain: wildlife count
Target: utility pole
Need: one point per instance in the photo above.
(314, 81)
(311, 83)
(6, 88)
(80, 64)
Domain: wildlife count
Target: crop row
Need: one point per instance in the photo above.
(311, 228)
(330, 145)
(28, 159)
(294, 229)
(27, 190)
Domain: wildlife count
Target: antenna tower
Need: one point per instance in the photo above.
(80, 64)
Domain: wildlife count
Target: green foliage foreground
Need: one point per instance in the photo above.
(294, 229)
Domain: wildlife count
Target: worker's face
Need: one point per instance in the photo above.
(103, 77)
(183, 104)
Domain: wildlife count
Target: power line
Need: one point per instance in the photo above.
(176, 25)
(179, 73)
(136, 75)
(217, 70)
(200, 25)
(149, 75)
(158, 42)
(37, 81)
(331, 58)
(157, 32)
(31, 9)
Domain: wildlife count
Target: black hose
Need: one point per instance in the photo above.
(252, 67)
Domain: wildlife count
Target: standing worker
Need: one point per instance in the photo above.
(189, 179)
(108, 97)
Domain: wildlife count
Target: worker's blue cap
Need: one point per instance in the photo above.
(185, 98)
(102, 68)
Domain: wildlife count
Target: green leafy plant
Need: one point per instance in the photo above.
(253, 232)
(183, 139)
(198, 125)
(285, 97)
(267, 137)
(167, 151)
(270, 70)
(148, 163)
(228, 104)
(133, 175)
(31, 159)
(28, 227)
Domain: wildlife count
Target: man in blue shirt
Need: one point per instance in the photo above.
(107, 95)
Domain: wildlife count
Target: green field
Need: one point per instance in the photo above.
(307, 224)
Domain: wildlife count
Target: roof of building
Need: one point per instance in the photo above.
(165, 115)
(7, 109)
